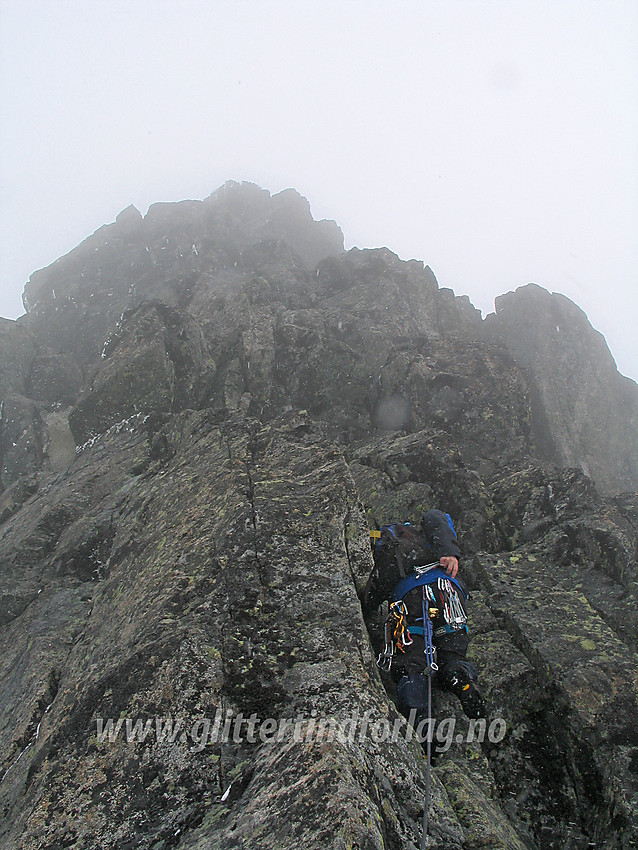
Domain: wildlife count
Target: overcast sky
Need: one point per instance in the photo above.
(497, 140)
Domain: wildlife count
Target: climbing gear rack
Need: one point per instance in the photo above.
(396, 634)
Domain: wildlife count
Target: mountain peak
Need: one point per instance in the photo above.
(202, 416)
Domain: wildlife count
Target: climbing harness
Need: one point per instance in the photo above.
(428, 574)
(397, 633)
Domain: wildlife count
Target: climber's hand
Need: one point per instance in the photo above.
(450, 564)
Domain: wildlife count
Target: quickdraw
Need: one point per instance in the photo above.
(385, 658)
(398, 614)
(428, 646)
(396, 634)
(453, 611)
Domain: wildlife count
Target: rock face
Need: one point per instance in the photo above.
(204, 411)
(587, 411)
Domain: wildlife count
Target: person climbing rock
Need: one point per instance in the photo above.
(416, 571)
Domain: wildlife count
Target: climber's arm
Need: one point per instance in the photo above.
(450, 564)
(442, 537)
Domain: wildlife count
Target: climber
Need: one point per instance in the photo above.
(420, 597)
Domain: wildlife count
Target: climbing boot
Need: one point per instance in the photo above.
(463, 687)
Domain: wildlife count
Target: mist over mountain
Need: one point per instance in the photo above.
(204, 410)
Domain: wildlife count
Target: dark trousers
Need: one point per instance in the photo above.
(412, 686)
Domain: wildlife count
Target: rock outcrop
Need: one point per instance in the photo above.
(203, 412)
(587, 412)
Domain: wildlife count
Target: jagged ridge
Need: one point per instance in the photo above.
(202, 412)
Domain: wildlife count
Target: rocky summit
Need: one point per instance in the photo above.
(204, 412)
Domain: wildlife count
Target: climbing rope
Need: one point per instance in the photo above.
(428, 757)
(430, 656)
